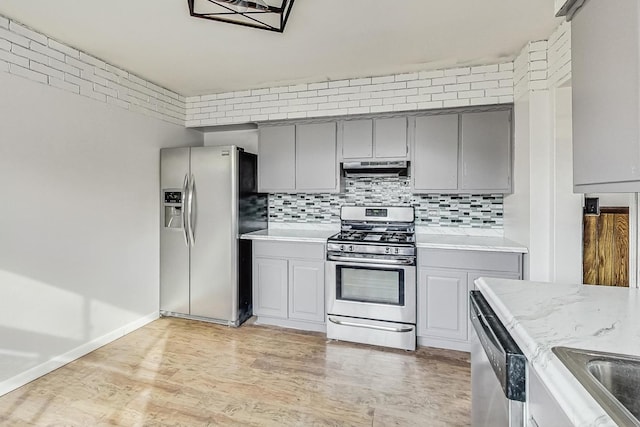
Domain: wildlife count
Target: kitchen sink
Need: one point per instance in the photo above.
(612, 379)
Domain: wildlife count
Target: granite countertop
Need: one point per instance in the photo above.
(292, 234)
(463, 242)
(438, 239)
(541, 316)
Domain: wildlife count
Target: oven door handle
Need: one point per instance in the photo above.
(400, 261)
(376, 327)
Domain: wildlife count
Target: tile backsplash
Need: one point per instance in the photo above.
(436, 210)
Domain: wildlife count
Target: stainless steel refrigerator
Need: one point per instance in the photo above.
(208, 198)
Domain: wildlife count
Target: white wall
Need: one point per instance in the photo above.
(517, 204)
(79, 222)
(245, 138)
(567, 206)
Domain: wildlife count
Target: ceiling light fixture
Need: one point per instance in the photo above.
(271, 15)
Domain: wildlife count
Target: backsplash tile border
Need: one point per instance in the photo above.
(432, 210)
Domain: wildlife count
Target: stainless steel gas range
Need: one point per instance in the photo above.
(371, 277)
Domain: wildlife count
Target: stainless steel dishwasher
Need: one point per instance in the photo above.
(498, 370)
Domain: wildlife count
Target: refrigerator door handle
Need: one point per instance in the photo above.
(191, 195)
(185, 226)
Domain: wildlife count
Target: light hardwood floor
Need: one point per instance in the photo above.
(184, 373)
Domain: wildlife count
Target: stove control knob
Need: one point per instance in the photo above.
(341, 248)
(397, 250)
(350, 249)
(387, 250)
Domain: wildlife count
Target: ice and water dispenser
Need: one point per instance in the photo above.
(173, 204)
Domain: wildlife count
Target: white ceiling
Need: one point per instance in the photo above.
(324, 39)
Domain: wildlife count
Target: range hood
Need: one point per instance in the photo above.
(375, 169)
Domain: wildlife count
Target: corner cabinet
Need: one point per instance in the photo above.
(381, 138)
(298, 158)
(288, 284)
(445, 278)
(605, 69)
(462, 153)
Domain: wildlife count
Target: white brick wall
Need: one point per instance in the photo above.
(560, 55)
(32, 55)
(540, 65)
(544, 64)
(531, 68)
(464, 86)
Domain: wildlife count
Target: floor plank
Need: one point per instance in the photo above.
(184, 373)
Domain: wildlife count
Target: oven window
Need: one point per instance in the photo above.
(365, 284)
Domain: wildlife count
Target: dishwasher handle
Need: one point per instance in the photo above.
(506, 359)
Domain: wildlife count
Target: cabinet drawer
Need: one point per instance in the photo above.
(470, 260)
(289, 250)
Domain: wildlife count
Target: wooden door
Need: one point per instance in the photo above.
(606, 248)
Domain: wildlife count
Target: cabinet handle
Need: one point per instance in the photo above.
(376, 327)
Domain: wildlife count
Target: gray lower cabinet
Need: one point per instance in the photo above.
(270, 297)
(306, 290)
(383, 138)
(288, 284)
(605, 62)
(442, 304)
(543, 410)
(462, 153)
(298, 158)
(445, 278)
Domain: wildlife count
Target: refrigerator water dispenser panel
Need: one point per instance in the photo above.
(173, 204)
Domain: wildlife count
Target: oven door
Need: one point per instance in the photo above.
(372, 291)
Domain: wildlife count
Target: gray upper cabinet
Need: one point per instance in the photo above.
(382, 138)
(390, 138)
(277, 159)
(486, 151)
(316, 163)
(435, 151)
(298, 158)
(357, 139)
(605, 56)
(462, 153)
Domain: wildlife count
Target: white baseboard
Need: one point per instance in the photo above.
(292, 324)
(444, 343)
(61, 360)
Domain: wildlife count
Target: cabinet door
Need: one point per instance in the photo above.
(277, 159)
(486, 151)
(316, 161)
(541, 406)
(306, 290)
(357, 139)
(390, 138)
(435, 153)
(442, 304)
(605, 86)
(270, 287)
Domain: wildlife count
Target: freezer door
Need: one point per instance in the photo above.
(214, 256)
(174, 251)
